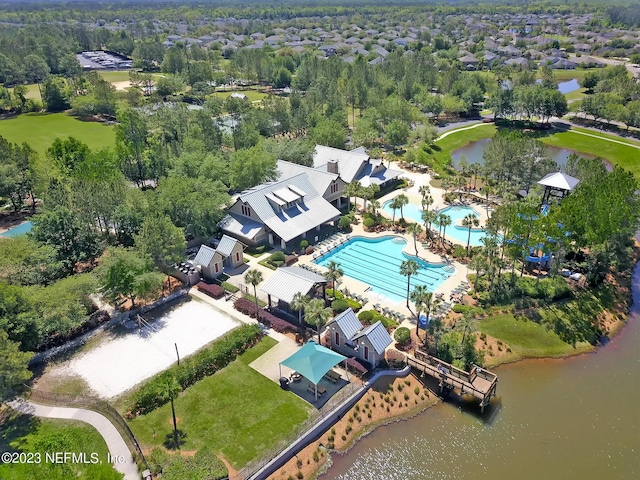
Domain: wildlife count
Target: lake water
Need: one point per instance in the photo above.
(568, 86)
(474, 151)
(552, 419)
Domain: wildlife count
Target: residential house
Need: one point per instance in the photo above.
(349, 337)
(469, 61)
(582, 47)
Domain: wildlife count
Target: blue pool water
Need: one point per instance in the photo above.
(459, 234)
(19, 230)
(376, 262)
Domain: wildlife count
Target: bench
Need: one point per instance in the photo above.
(321, 390)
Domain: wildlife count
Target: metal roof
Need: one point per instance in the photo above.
(349, 163)
(348, 323)
(241, 226)
(301, 218)
(204, 255)
(226, 245)
(320, 179)
(287, 281)
(286, 194)
(559, 180)
(377, 335)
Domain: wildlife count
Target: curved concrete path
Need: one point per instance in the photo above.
(115, 444)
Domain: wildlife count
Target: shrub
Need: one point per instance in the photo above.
(245, 306)
(345, 223)
(366, 316)
(303, 245)
(201, 364)
(369, 223)
(213, 290)
(395, 360)
(402, 336)
(459, 251)
(356, 365)
(278, 324)
(277, 257)
(230, 287)
(339, 305)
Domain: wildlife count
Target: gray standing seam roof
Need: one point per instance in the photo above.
(226, 245)
(204, 255)
(320, 179)
(287, 281)
(349, 162)
(377, 335)
(348, 323)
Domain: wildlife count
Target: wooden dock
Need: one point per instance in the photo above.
(479, 382)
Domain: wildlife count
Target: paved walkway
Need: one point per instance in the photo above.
(115, 443)
(268, 364)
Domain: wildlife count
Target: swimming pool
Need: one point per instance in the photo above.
(376, 262)
(21, 229)
(456, 213)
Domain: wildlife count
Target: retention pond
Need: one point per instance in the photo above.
(553, 419)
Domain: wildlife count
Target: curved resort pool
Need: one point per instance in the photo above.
(376, 262)
(456, 213)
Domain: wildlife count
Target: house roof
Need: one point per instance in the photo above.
(241, 226)
(349, 162)
(320, 179)
(226, 245)
(287, 281)
(348, 323)
(559, 180)
(309, 208)
(313, 361)
(377, 335)
(205, 255)
(377, 174)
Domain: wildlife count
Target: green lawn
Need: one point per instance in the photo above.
(627, 157)
(120, 75)
(40, 130)
(21, 433)
(237, 412)
(578, 73)
(576, 95)
(32, 91)
(526, 338)
(252, 95)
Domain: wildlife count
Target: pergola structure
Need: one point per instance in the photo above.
(557, 185)
(313, 361)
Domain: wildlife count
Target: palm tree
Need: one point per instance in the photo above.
(299, 302)
(395, 204)
(369, 193)
(459, 182)
(474, 169)
(424, 190)
(375, 206)
(444, 221)
(333, 274)
(402, 200)
(430, 303)
(427, 201)
(352, 190)
(468, 326)
(254, 277)
(470, 221)
(414, 229)
(316, 314)
(168, 391)
(428, 217)
(418, 297)
(476, 264)
(408, 268)
(436, 327)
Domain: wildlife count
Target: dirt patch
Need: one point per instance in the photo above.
(384, 403)
(121, 85)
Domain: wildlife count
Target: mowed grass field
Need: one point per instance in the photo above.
(237, 412)
(40, 130)
(619, 151)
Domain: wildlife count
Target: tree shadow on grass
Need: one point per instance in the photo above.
(14, 428)
(168, 440)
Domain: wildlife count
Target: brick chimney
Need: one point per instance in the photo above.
(332, 166)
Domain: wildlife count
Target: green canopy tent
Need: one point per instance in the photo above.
(313, 361)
